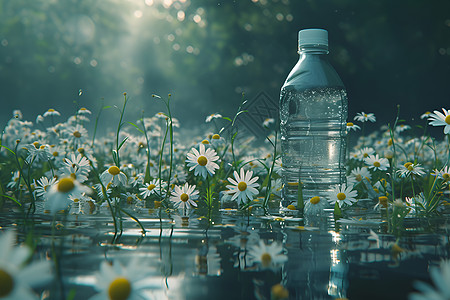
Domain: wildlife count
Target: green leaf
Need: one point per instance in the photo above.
(140, 130)
(300, 200)
(72, 294)
(8, 149)
(266, 181)
(114, 155)
(226, 118)
(13, 199)
(337, 211)
(241, 112)
(121, 144)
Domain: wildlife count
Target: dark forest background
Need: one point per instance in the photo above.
(206, 53)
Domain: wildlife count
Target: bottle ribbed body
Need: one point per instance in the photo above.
(313, 116)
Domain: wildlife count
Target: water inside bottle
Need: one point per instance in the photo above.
(313, 143)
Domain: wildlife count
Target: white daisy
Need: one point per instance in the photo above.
(244, 187)
(114, 175)
(425, 115)
(76, 134)
(441, 279)
(73, 172)
(409, 169)
(217, 140)
(203, 161)
(351, 126)
(58, 196)
(267, 256)
(376, 163)
(17, 277)
(278, 167)
(343, 195)
(365, 152)
(440, 119)
(130, 197)
(84, 111)
(184, 195)
(151, 188)
(213, 116)
(78, 161)
(358, 174)
(17, 114)
(364, 117)
(402, 127)
(268, 121)
(314, 206)
(51, 112)
(116, 281)
(444, 173)
(39, 119)
(43, 185)
(38, 152)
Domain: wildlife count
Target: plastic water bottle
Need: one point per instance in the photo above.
(313, 115)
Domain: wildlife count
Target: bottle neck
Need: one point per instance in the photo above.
(313, 49)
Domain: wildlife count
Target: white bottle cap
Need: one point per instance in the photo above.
(313, 37)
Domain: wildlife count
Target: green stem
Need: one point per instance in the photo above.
(96, 123)
(135, 219)
(105, 194)
(122, 112)
(269, 183)
(147, 169)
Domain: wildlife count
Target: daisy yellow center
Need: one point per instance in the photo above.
(6, 283)
(266, 259)
(242, 186)
(341, 196)
(151, 187)
(407, 165)
(447, 119)
(291, 207)
(51, 110)
(315, 200)
(119, 289)
(446, 176)
(383, 200)
(76, 134)
(184, 197)
(279, 292)
(376, 164)
(202, 160)
(55, 154)
(205, 142)
(349, 124)
(216, 137)
(65, 185)
(114, 170)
